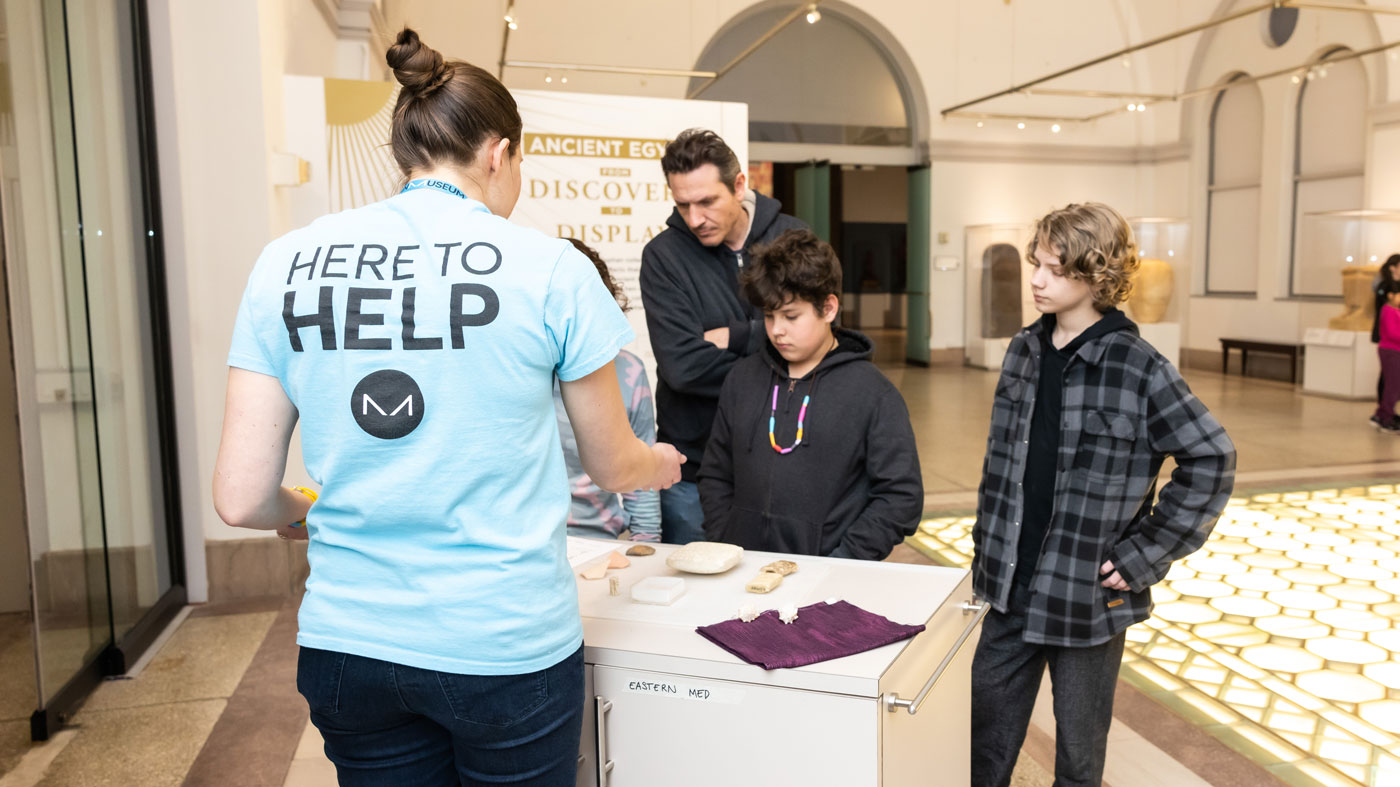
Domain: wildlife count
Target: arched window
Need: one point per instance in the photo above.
(1232, 198)
(1329, 164)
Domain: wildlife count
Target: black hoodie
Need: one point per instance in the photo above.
(1039, 481)
(689, 288)
(851, 489)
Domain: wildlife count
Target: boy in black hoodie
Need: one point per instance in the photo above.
(811, 451)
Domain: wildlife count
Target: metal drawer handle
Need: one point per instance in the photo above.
(894, 702)
(600, 711)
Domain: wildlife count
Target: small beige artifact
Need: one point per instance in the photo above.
(614, 586)
(1360, 305)
(780, 567)
(1152, 291)
(596, 571)
(765, 582)
(641, 550)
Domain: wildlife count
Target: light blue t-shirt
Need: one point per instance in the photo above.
(419, 338)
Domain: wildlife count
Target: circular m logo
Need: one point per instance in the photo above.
(387, 404)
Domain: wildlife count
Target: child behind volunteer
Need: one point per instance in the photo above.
(595, 512)
(1389, 349)
(1069, 534)
(811, 450)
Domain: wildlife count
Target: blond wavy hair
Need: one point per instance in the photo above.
(1095, 245)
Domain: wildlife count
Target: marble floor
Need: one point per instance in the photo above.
(218, 697)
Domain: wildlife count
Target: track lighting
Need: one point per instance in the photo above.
(813, 15)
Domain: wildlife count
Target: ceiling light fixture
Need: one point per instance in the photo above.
(813, 15)
(1142, 108)
(511, 21)
(1020, 125)
(1055, 129)
(563, 80)
(1132, 107)
(979, 124)
(548, 79)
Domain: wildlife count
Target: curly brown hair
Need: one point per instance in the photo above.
(608, 280)
(1095, 245)
(796, 265)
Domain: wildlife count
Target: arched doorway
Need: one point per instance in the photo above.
(843, 148)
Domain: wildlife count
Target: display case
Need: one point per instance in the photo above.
(997, 301)
(1330, 242)
(1158, 302)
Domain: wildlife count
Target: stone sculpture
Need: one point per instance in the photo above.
(1001, 291)
(1152, 291)
(1359, 305)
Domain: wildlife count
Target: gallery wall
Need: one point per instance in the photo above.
(218, 71)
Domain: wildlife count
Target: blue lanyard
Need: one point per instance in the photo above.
(424, 183)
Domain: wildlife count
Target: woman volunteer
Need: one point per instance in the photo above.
(416, 339)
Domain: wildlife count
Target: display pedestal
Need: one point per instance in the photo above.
(665, 706)
(988, 353)
(1165, 338)
(1341, 364)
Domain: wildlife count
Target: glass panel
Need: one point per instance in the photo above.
(114, 236)
(44, 261)
(1232, 254)
(77, 250)
(1317, 264)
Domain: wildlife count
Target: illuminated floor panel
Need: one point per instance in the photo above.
(1280, 636)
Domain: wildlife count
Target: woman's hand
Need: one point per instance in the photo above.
(668, 466)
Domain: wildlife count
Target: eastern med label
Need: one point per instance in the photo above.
(682, 690)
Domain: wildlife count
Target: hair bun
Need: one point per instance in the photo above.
(417, 66)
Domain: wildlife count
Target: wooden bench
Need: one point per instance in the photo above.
(1245, 346)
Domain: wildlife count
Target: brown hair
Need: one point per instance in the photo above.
(797, 265)
(696, 147)
(608, 280)
(447, 109)
(1095, 245)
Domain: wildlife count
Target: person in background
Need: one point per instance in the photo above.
(596, 512)
(1389, 350)
(698, 324)
(836, 473)
(1389, 272)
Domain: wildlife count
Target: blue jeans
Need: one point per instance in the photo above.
(681, 515)
(388, 724)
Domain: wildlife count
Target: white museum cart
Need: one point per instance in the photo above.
(665, 706)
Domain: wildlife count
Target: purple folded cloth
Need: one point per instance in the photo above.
(821, 632)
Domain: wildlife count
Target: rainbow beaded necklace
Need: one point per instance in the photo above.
(772, 422)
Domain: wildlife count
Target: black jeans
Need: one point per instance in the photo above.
(1006, 672)
(388, 724)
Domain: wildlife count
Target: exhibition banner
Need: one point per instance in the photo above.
(592, 167)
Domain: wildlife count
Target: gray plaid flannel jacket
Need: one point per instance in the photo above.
(1125, 409)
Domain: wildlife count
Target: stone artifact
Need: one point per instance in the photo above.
(783, 567)
(787, 613)
(748, 613)
(1001, 291)
(614, 586)
(705, 557)
(1152, 291)
(616, 560)
(1359, 307)
(765, 582)
(641, 550)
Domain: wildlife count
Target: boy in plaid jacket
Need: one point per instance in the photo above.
(1071, 532)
